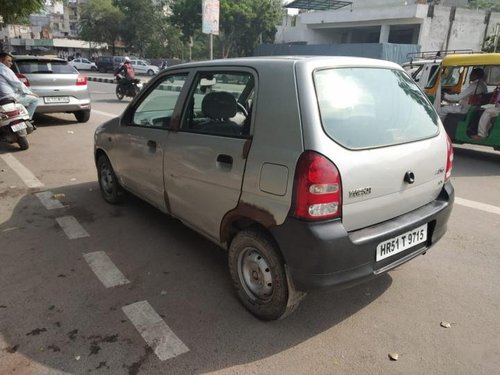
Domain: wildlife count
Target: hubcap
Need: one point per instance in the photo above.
(255, 274)
(106, 180)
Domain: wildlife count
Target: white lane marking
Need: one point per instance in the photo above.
(71, 227)
(105, 269)
(105, 113)
(24, 173)
(154, 330)
(478, 205)
(48, 200)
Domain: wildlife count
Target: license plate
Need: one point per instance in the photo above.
(19, 126)
(402, 242)
(56, 99)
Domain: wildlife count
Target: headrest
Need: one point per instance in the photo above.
(219, 105)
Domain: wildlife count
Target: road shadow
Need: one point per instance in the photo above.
(41, 119)
(54, 310)
(6, 147)
(475, 162)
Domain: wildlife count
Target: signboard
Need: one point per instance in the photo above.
(210, 16)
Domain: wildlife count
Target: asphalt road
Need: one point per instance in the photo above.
(169, 307)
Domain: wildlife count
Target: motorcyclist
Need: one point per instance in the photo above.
(126, 70)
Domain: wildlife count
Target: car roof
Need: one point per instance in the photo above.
(332, 61)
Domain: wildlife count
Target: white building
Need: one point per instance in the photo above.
(433, 25)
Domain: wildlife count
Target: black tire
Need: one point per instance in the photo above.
(258, 272)
(82, 116)
(93, 69)
(119, 92)
(22, 140)
(151, 73)
(111, 190)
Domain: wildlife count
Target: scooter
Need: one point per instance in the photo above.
(126, 87)
(15, 122)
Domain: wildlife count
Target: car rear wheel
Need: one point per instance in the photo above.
(111, 189)
(82, 116)
(258, 272)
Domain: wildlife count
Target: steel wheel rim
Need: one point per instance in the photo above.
(255, 274)
(107, 182)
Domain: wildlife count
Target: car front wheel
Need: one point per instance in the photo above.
(258, 272)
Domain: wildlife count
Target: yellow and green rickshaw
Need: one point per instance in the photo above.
(451, 78)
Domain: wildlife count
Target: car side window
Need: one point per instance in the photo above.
(156, 109)
(219, 104)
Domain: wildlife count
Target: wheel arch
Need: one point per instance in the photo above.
(243, 217)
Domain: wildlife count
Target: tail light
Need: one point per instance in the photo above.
(23, 79)
(81, 80)
(317, 188)
(449, 158)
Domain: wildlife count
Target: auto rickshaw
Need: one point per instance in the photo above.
(451, 78)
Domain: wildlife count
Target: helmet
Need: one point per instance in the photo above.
(126, 59)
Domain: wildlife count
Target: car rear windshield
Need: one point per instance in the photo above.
(44, 67)
(372, 107)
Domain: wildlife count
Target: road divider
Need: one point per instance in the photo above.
(105, 269)
(48, 200)
(154, 330)
(72, 227)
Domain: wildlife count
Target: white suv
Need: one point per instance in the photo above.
(310, 171)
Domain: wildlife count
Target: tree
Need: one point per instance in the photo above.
(485, 4)
(101, 22)
(147, 30)
(12, 11)
(243, 23)
(246, 23)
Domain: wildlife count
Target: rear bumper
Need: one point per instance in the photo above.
(74, 105)
(326, 255)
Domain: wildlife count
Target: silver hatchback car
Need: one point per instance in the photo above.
(310, 171)
(60, 87)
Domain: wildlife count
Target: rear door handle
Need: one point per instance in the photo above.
(223, 158)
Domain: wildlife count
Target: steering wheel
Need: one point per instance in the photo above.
(242, 109)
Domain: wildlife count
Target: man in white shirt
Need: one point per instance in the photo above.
(476, 86)
(10, 85)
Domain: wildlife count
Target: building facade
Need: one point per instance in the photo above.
(432, 25)
(53, 32)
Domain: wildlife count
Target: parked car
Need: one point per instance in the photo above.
(83, 64)
(143, 67)
(108, 63)
(305, 170)
(60, 87)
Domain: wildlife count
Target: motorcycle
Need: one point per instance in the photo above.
(15, 122)
(127, 87)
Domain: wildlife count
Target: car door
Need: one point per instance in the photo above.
(205, 159)
(139, 145)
